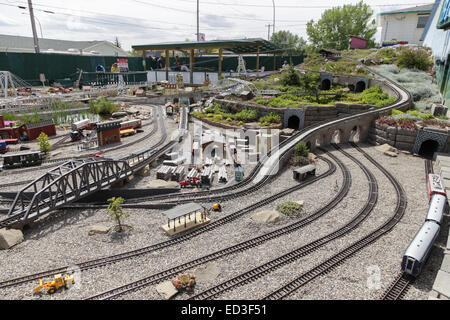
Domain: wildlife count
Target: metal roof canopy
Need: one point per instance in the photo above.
(182, 210)
(235, 46)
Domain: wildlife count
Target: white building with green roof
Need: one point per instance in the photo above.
(404, 25)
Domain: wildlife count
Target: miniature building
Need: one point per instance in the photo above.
(178, 174)
(184, 217)
(165, 172)
(239, 173)
(29, 131)
(330, 54)
(207, 176)
(108, 132)
(302, 172)
(33, 130)
(357, 42)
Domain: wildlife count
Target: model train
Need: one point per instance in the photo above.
(418, 250)
(24, 159)
(131, 124)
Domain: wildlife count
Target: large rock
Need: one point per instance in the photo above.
(390, 153)
(207, 273)
(166, 289)
(119, 114)
(9, 238)
(287, 132)
(158, 183)
(386, 148)
(98, 229)
(266, 216)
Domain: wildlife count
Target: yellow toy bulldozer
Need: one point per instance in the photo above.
(53, 286)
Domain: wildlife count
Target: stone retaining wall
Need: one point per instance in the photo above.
(399, 138)
(313, 113)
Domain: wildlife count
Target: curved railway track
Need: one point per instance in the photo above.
(51, 163)
(156, 278)
(340, 257)
(302, 251)
(179, 239)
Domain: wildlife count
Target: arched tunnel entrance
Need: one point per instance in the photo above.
(360, 86)
(354, 134)
(428, 148)
(336, 137)
(326, 84)
(294, 122)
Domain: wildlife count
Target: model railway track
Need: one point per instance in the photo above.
(398, 287)
(331, 263)
(11, 220)
(428, 168)
(51, 163)
(296, 254)
(188, 196)
(161, 276)
(179, 239)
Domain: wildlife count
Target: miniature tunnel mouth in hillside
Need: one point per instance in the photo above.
(428, 148)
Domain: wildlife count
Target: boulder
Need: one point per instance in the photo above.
(9, 238)
(158, 183)
(390, 153)
(119, 114)
(438, 110)
(386, 148)
(267, 216)
(98, 229)
(287, 132)
(166, 289)
(207, 273)
(131, 111)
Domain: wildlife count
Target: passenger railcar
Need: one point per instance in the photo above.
(438, 206)
(25, 159)
(418, 250)
(131, 124)
(435, 185)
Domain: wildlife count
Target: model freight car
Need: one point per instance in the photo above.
(24, 159)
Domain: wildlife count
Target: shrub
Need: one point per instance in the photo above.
(375, 96)
(218, 117)
(413, 112)
(267, 120)
(290, 77)
(301, 149)
(247, 115)
(395, 112)
(44, 143)
(209, 110)
(426, 116)
(103, 106)
(414, 58)
(290, 209)
(210, 115)
(229, 119)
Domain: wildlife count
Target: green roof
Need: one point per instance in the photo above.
(235, 46)
(417, 9)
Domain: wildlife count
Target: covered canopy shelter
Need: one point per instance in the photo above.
(184, 211)
(244, 46)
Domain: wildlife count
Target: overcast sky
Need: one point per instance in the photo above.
(149, 21)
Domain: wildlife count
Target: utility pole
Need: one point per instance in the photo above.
(273, 29)
(268, 31)
(33, 27)
(198, 20)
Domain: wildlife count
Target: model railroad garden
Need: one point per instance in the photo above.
(319, 228)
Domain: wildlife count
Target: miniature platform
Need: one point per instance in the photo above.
(190, 223)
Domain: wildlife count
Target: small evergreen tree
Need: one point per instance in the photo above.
(44, 143)
(115, 211)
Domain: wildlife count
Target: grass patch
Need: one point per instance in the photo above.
(290, 209)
